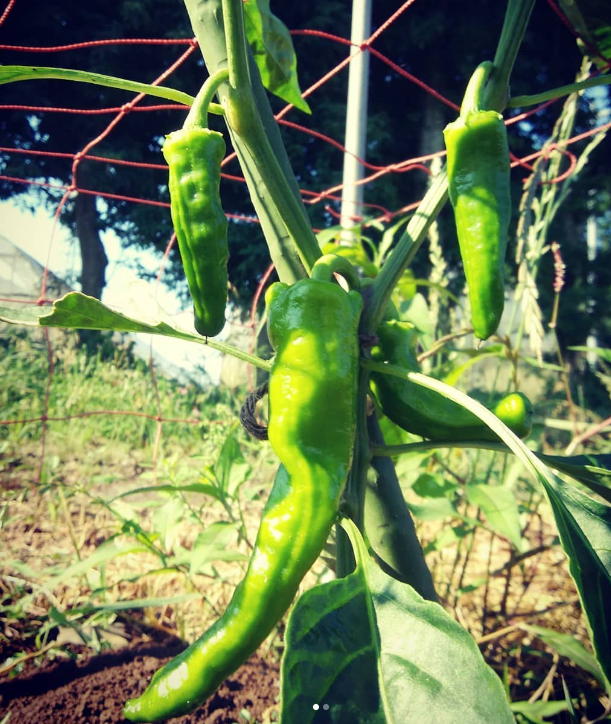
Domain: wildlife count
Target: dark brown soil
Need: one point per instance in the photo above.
(94, 689)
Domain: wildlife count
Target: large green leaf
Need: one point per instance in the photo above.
(369, 649)
(273, 51)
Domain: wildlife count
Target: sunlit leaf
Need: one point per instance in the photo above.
(273, 51)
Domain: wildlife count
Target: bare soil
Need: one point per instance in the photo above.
(93, 689)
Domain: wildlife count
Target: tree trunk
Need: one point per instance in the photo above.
(93, 256)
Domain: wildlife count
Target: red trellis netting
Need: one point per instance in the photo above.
(186, 49)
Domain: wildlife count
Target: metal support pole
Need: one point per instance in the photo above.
(356, 117)
(592, 243)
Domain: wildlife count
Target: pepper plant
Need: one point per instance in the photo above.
(374, 645)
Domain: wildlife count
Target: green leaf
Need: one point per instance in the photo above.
(567, 645)
(274, 53)
(78, 311)
(538, 711)
(434, 486)
(593, 471)
(135, 603)
(231, 469)
(585, 532)
(14, 73)
(373, 651)
(171, 490)
(499, 505)
(492, 350)
(602, 352)
(592, 20)
(449, 535)
(431, 508)
(213, 545)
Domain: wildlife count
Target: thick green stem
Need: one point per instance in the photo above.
(243, 117)
(207, 20)
(354, 495)
(514, 26)
(389, 524)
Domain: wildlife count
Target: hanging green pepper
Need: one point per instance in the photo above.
(426, 412)
(312, 423)
(312, 389)
(194, 157)
(479, 186)
(280, 559)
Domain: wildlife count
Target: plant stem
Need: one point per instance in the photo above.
(411, 447)
(207, 20)
(473, 100)
(243, 117)
(354, 495)
(233, 352)
(14, 73)
(331, 264)
(198, 115)
(514, 26)
(390, 526)
(563, 90)
(404, 252)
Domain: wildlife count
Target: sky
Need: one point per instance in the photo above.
(33, 233)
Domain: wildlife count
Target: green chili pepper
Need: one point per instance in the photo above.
(279, 561)
(194, 157)
(426, 412)
(312, 424)
(479, 186)
(312, 389)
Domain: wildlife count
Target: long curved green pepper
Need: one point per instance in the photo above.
(426, 412)
(313, 326)
(194, 158)
(479, 186)
(312, 425)
(276, 567)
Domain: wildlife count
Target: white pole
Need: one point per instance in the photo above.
(356, 116)
(592, 244)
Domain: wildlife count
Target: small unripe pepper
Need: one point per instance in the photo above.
(479, 186)
(426, 412)
(312, 425)
(194, 158)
